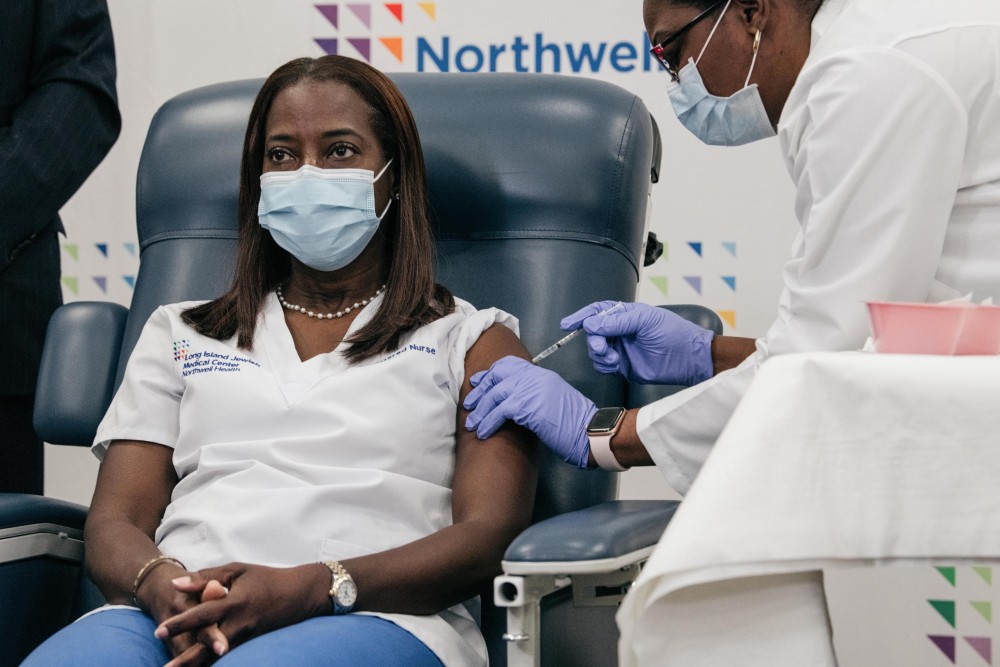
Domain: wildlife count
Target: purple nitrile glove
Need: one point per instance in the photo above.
(535, 398)
(644, 343)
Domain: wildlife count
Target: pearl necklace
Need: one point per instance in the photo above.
(327, 316)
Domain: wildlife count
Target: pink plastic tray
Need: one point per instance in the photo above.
(935, 328)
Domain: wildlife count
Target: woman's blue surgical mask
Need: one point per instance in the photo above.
(324, 217)
(720, 121)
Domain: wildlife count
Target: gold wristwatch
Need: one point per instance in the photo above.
(343, 591)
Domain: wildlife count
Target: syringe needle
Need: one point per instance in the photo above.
(565, 339)
(555, 346)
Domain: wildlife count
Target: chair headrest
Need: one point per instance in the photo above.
(508, 156)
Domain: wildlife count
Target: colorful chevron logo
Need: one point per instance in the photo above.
(181, 349)
(356, 25)
(948, 611)
(696, 284)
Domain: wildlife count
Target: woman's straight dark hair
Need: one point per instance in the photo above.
(411, 297)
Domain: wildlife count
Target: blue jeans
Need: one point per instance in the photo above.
(124, 638)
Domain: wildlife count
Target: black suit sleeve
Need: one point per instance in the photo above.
(66, 123)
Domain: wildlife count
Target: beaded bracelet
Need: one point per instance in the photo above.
(149, 567)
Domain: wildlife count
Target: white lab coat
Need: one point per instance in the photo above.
(892, 137)
(284, 462)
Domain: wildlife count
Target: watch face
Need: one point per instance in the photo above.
(605, 420)
(347, 593)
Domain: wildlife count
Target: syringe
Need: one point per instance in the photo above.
(567, 338)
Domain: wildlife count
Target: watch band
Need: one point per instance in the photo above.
(600, 447)
(339, 577)
(603, 426)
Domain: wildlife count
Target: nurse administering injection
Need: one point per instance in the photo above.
(888, 115)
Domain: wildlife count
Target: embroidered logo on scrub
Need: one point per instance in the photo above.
(181, 348)
(207, 361)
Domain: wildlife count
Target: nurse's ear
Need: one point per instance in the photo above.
(754, 14)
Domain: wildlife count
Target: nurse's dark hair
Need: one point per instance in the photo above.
(411, 297)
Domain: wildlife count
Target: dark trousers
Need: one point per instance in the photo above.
(29, 293)
(21, 455)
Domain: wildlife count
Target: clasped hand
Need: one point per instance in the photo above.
(237, 602)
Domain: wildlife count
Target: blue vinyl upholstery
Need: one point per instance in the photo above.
(76, 380)
(606, 531)
(538, 185)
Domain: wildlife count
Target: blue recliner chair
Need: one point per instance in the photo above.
(539, 186)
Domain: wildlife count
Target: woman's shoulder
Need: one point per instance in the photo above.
(458, 330)
(464, 308)
(483, 318)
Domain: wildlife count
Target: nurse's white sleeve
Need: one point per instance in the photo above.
(147, 404)
(875, 141)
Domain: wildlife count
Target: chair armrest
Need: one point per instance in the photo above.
(33, 526)
(20, 509)
(41, 551)
(76, 380)
(601, 538)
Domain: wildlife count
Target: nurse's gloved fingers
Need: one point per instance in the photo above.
(474, 422)
(498, 372)
(571, 322)
(485, 383)
(606, 369)
(598, 346)
(485, 404)
(495, 408)
(606, 358)
(480, 404)
(613, 325)
(505, 411)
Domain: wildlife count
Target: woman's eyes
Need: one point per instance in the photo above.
(278, 155)
(341, 151)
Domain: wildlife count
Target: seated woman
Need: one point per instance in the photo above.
(284, 477)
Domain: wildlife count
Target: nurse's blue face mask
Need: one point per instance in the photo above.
(720, 121)
(324, 217)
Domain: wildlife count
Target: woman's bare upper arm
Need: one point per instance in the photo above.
(134, 484)
(494, 478)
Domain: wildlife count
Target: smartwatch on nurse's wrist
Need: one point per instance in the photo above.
(602, 427)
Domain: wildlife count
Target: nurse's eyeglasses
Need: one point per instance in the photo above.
(659, 50)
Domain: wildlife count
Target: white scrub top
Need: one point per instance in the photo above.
(891, 134)
(283, 462)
